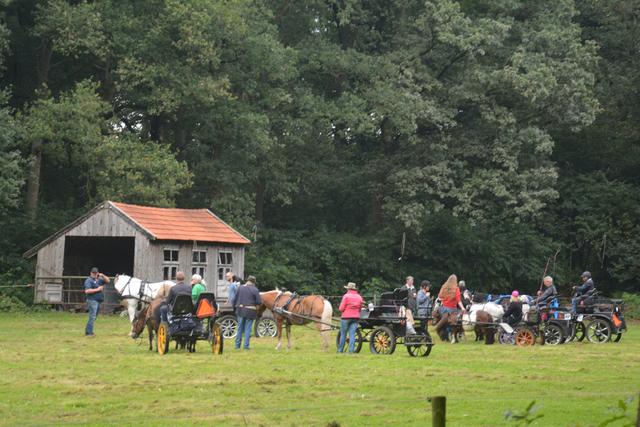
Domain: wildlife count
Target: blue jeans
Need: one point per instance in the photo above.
(348, 326)
(244, 327)
(444, 310)
(94, 309)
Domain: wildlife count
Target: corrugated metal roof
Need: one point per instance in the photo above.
(182, 224)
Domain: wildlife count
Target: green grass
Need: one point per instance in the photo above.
(51, 374)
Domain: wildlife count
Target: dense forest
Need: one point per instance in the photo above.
(350, 140)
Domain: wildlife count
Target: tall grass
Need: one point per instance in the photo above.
(51, 374)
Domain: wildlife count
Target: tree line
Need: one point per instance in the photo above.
(351, 140)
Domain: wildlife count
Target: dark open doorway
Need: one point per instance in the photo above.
(112, 256)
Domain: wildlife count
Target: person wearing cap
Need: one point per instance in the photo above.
(424, 298)
(513, 315)
(198, 285)
(350, 307)
(586, 287)
(246, 302)
(94, 291)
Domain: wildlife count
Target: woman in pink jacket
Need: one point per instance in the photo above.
(350, 307)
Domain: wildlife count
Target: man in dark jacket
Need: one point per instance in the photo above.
(245, 303)
(587, 287)
(94, 291)
(180, 288)
(546, 297)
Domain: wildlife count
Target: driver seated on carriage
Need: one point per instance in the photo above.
(180, 288)
(513, 315)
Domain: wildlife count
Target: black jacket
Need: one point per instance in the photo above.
(547, 296)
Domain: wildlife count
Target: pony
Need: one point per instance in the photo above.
(292, 309)
(479, 319)
(142, 293)
(150, 317)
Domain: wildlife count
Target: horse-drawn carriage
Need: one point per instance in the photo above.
(539, 326)
(597, 319)
(188, 323)
(384, 326)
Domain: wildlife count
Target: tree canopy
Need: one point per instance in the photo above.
(494, 135)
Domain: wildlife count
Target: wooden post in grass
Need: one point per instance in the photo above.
(439, 411)
(638, 417)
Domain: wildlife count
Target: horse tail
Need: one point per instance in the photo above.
(327, 313)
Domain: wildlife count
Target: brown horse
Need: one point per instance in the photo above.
(481, 320)
(149, 316)
(292, 309)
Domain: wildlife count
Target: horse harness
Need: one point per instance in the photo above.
(140, 293)
(285, 312)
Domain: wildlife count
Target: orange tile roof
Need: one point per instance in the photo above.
(182, 224)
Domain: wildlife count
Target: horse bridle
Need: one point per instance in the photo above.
(130, 296)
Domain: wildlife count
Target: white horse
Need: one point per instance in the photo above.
(136, 294)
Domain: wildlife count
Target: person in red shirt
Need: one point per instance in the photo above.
(450, 296)
(350, 307)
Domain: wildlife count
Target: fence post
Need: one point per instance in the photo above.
(439, 411)
(638, 417)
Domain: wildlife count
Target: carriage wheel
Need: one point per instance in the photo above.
(507, 338)
(525, 338)
(215, 339)
(164, 338)
(382, 341)
(265, 327)
(599, 331)
(617, 338)
(358, 346)
(422, 348)
(577, 332)
(229, 325)
(553, 334)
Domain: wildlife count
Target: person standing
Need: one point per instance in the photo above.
(246, 302)
(587, 287)
(350, 307)
(424, 298)
(450, 295)
(198, 286)
(94, 291)
(233, 286)
(411, 302)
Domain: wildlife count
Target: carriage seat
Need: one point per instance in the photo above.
(182, 319)
(390, 302)
(585, 303)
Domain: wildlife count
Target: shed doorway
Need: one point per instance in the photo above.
(112, 256)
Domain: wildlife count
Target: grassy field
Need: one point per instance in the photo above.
(51, 374)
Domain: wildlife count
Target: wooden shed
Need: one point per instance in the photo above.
(152, 244)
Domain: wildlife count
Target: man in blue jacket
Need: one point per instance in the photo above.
(582, 290)
(245, 303)
(94, 291)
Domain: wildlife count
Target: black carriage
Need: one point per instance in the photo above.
(384, 327)
(538, 326)
(264, 326)
(598, 319)
(188, 323)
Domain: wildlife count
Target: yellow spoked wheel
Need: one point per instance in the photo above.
(525, 338)
(164, 337)
(215, 339)
(382, 341)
